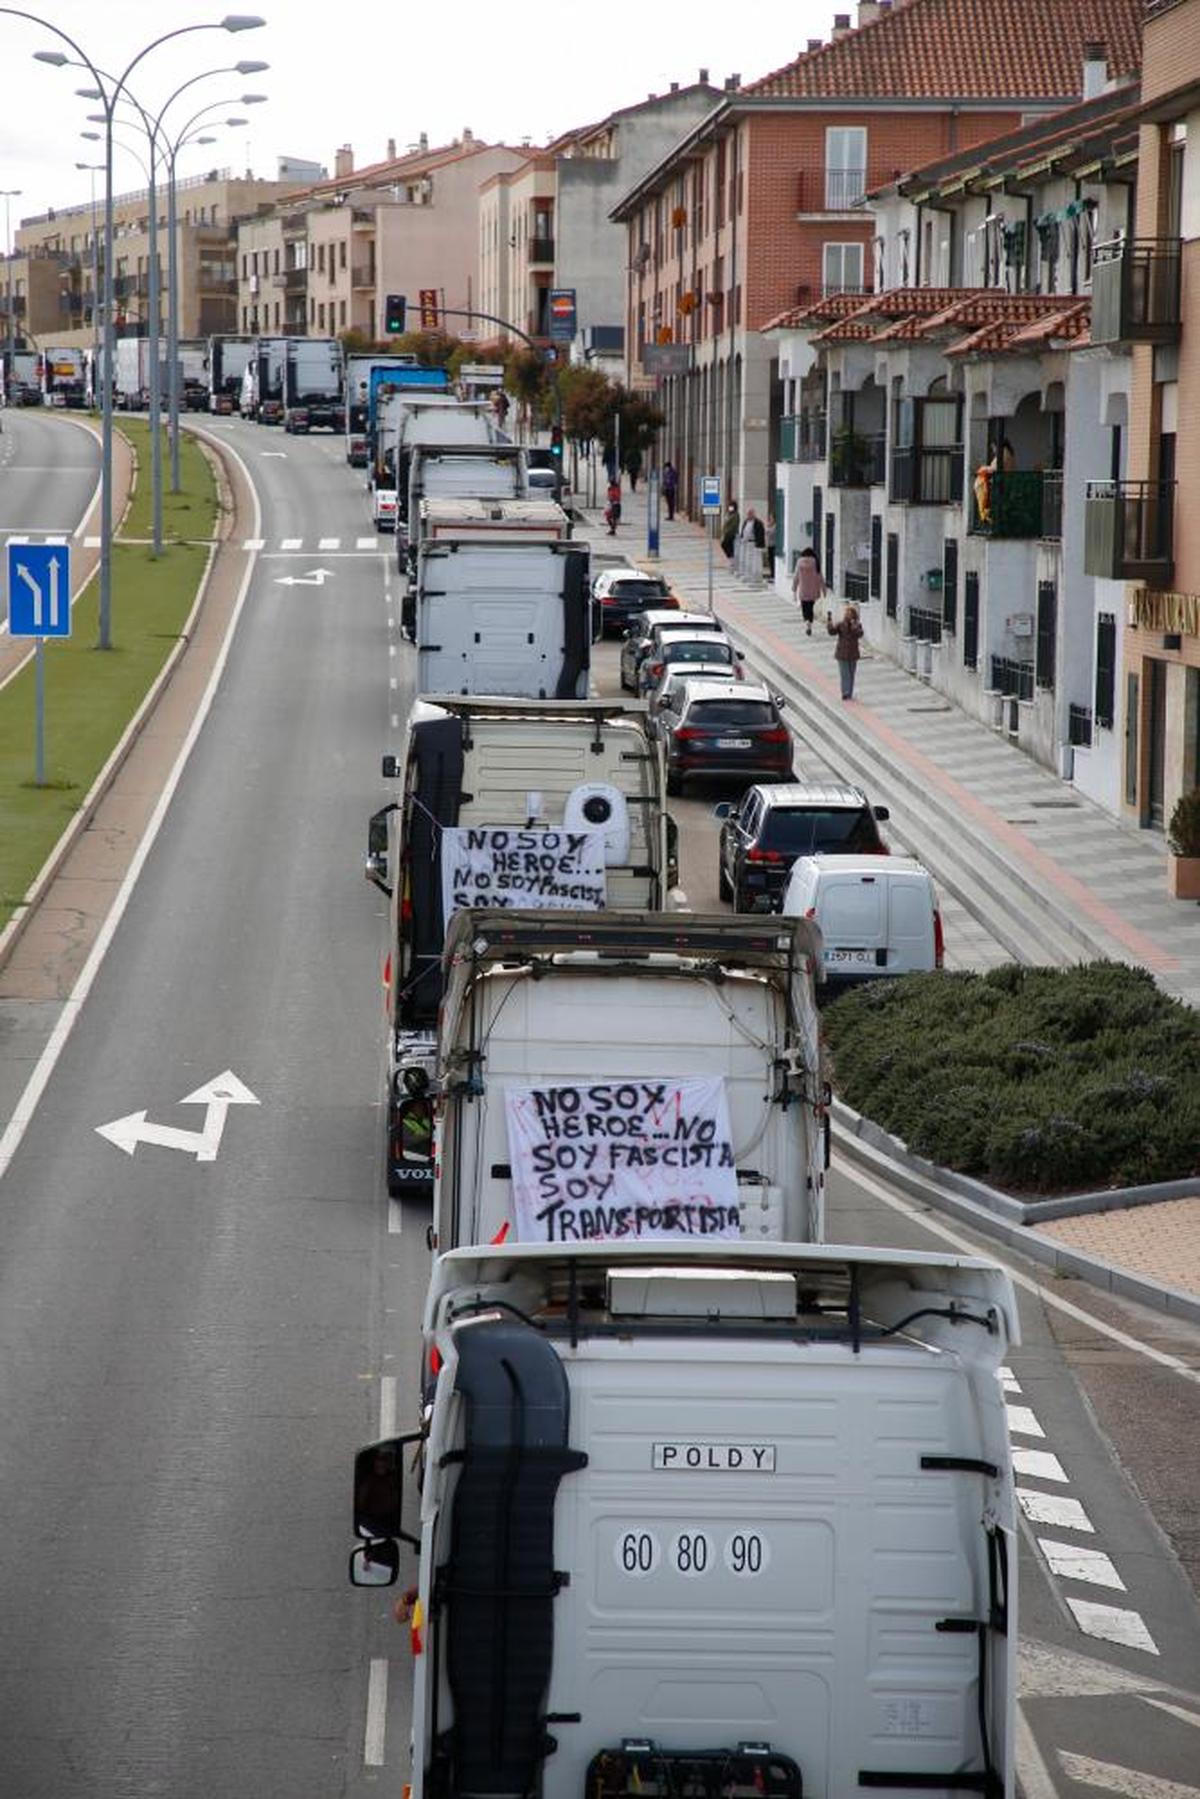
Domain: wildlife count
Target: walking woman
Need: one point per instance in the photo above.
(848, 632)
(808, 585)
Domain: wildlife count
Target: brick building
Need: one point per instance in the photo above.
(758, 208)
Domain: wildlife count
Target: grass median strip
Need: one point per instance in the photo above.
(190, 513)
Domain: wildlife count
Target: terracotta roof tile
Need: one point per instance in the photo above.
(987, 306)
(965, 49)
(846, 331)
(987, 341)
(815, 312)
(1065, 326)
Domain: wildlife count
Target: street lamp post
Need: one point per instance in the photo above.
(93, 168)
(9, 193)
(232, 22)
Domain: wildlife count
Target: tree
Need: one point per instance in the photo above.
(641, 421)
(588, 404)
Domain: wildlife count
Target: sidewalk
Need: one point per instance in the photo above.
(1050, 870)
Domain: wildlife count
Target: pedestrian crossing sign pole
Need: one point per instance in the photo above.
(710, 505)
(39, 606)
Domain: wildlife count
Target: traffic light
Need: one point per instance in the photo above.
(393, 315)
(556, 442)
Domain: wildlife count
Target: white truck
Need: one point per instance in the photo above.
(65, 375)
(545, 769)
(484, 471)
(506, 618)
(474, 520)
(406, 422)
(717, 1520)
(610, 1074)
(366, 372)
(131, 392)
(228, 358)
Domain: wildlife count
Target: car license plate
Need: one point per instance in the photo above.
(861, 958)
(733, 743)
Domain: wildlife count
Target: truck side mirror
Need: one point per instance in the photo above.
(379, 1491)
(881, 813)
(376, 869)
(390, 768)
(375, 1564)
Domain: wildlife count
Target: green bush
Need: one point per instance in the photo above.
(1037, 1080)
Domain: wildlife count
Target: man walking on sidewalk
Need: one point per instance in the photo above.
(670, 487)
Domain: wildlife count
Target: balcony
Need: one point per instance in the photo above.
(857, 458)
(294, 224)
(1128, 531)
(295, 281)
(1052, 499)
(363, 276)
(924, 624)
(802, 437)
(844, 188)
(1011, 678)
(1008, 505)
(927, 477)
(1135, 291)
(541, 249)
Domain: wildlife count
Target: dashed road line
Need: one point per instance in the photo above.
(366, 543)
(1109, 1777)
(376, 1729)
(254, 543)
(1022, 1421)
(290, 543)
(1039, 1464)
(1055, 1509)
(1071, 1561)
(329, 543)
(1112, 1624)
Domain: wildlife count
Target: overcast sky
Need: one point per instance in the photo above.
(362, 73)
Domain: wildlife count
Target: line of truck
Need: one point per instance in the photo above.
(701, 1504)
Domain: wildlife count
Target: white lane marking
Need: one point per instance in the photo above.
(1022, 1422)
(395, 721)
(391, 649)
(1053, 1508)
(1176, 1711)
(216, 1096)
(1025, 1281)
(254, 543)
(366, 543)
(290, 543)
(1112, 1623)
(329, 543)
(56, 538)
(1037, 1782)
(387, 1406)
(92, 543)
(1071, 1561)
(1038, 1464)
(17, 540)
(1008, 1380)
(35, 1086)
(1110, 1777)
(376, 1731)
(393, 682)
(316, 577)
(395, 1218)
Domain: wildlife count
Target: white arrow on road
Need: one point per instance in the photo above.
(1110, 1777)
(216, 1095)
(316, 577)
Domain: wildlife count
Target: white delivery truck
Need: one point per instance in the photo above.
(408, 425)
(610, 1074)
(228, 359)
(132, 364)
(472, 520)
(506, 618)
(193, 374)
(471, 771)
(65, 375)
(366, 372)
(710, 1520)
(485, 471)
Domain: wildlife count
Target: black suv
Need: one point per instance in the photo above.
(764, 832)
(730, 729)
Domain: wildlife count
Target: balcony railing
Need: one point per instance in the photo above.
(295, 281)
(844, 188)
(1128, 531)
(857, 459)
(1135, 291)
(1052, 498)
(928, 477)
(1079, 726)
(363, 276)
(1008, 503)
(924, 624)
(541, 249)
(1011, 678)
(802, 437)
(856, 587)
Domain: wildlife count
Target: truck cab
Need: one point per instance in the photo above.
(722, 1519)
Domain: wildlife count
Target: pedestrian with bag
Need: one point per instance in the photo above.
(848, 632)
(808, 585)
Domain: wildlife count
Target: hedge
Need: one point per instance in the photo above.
(1036, 1080)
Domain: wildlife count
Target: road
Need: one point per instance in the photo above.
(49, 467)
(194, 1348)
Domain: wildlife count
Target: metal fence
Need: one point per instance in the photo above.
(1079, 726)
(924, 624)
(1015, 679)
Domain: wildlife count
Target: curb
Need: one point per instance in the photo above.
(999, 1215)
(15, 929)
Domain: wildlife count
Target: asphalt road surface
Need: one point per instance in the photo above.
(192, 1348)
(49, 467)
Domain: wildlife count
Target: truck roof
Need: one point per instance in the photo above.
(445, 510)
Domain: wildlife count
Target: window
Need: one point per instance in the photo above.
(876, 580)
(842, 268)
(320, 259)
(1106, 669)
(892, 596)
(970, 639)
(1047, 616)
(321, 316)
(845, 166)
(342, 313)
(342, 254)
(950, 584)
(277, 262)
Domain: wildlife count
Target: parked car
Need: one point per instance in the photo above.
(727, 729)
(621, 593)
(546, 482)
(670, 646)
(876, 918)
(639, 633)
(670, 688)
(763, 833)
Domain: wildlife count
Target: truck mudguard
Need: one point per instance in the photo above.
(497, 1589)
(577, 627)
(436, 792)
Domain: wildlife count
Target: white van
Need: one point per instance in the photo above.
(877, 917)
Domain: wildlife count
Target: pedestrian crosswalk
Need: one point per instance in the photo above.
(310, 546)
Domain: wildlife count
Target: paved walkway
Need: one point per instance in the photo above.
(1053, 873)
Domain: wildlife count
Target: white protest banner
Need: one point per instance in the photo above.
(637, 1158)
(491, 865)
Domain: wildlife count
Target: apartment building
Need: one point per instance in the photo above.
(60, 306)
(1144, 526)
(942, 434)
(324, 261)
(759, 208)
(546, 224)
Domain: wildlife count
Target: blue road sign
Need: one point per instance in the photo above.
(710, 493)
(39, 590)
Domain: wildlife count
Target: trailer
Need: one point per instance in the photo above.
(313, 385)
(228, 357)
